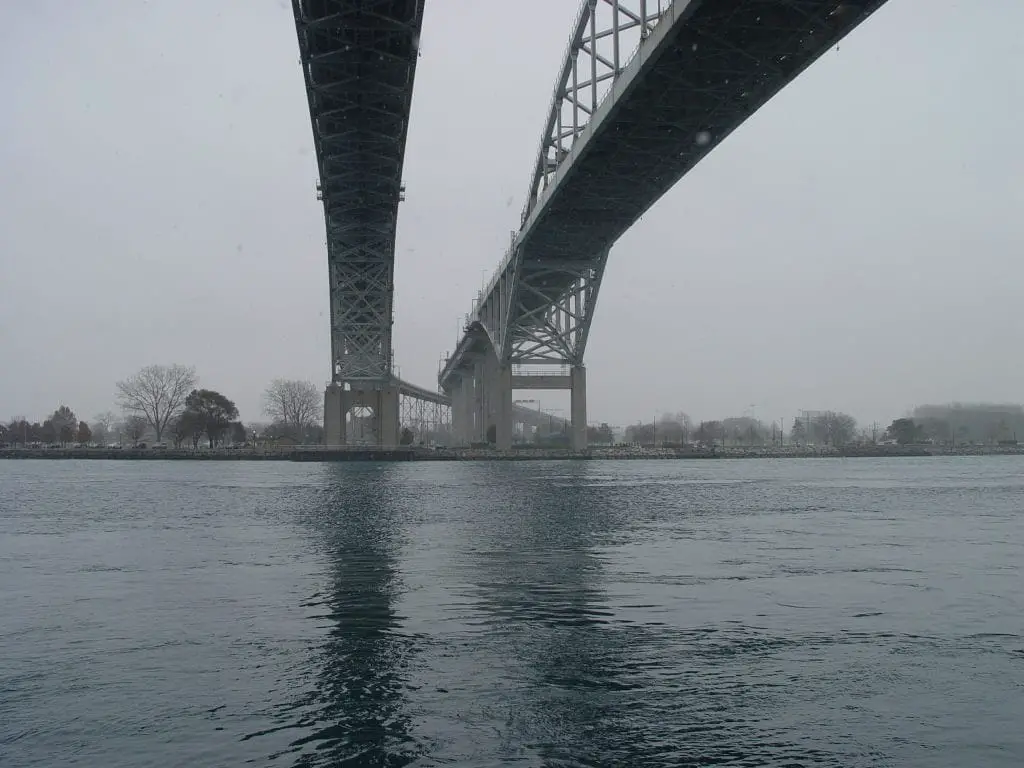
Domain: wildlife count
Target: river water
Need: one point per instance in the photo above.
(743, 613)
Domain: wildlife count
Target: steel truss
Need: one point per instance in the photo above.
(541, 310)
(429, 419)
(605, 35)
(544, 310)
(359, 62)
(621, 131)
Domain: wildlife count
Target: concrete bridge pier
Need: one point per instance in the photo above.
(457, 393)
(339, 402)
(502, 407)
(496, 401)
(469, 415)
(576, 383)
(578, 407)
(463, 395)
(479, 432)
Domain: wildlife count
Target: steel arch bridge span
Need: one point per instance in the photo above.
(359, 63)
(645, 90)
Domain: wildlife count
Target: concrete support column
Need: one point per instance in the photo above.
(334, 415)
(387, 417)
(479, 433)
(457, 393)
(467, 410)
(502, 402)
(578, 408)
(338, 401)
(490, 375)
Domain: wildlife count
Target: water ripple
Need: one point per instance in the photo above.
(820, 613)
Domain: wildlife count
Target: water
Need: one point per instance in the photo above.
(789, 613)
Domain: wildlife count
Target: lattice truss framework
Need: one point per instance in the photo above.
(604, 37)
(701, 69)
(359, 61)
(428, 418)
(541, 312)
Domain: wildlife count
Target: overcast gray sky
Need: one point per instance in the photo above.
(856, 245)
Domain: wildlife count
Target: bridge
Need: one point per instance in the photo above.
(427, 413)
(646, 88)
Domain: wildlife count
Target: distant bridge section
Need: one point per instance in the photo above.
(429, 415)
(645, 90)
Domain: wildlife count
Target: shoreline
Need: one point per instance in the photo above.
(362, 453)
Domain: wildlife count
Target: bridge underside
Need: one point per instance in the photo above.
(359, 62)
(713, 65)
(701, 68)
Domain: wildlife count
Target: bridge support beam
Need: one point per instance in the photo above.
(384, 423)
(578, 407)
(456, 393)
(478, 432)
(496, 401)
(334, 415)
(502, 392)
(388, 423)
(469, 417)
(463, 395)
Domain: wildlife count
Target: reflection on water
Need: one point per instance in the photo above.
(820, 613)
(593, 686)
(539, 579)
(355, 714)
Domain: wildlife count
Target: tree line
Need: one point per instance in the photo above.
(832, 428)
(61, 427)
(165, 402)
(950, 424)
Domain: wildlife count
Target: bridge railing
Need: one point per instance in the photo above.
(540, 370)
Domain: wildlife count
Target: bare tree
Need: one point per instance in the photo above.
(295, 404)
(157, 393)
(102, 426)
(135, 428)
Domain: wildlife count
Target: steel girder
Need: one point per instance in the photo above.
(359, 62)
(421, 393)
(421, 404)
(428, 414)
(612, 147)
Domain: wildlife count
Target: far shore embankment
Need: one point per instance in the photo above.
(525, 453)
